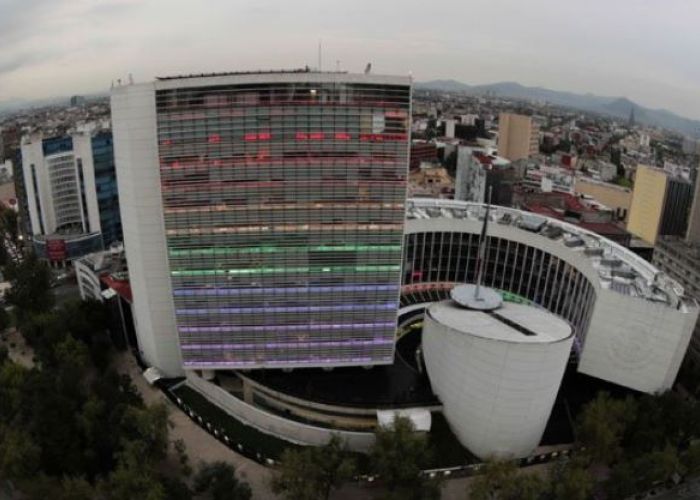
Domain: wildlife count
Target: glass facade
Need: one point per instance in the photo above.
(284, 216)
(446, 258)
(106, 187)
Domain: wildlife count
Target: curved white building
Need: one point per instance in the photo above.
(632, 323)
(496, 373)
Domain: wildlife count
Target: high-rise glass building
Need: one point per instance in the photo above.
(263, 217)
(70, 189)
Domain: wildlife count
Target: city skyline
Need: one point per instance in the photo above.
(80, 47)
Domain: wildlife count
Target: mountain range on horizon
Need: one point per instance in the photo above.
(617, 107)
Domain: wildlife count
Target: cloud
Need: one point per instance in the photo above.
(643, 49)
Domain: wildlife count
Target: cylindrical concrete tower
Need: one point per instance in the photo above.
(496, 372)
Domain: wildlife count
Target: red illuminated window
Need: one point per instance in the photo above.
(214, 139)
(302, 136)
(251, 136)
(264, 136)
(316, 136)
(166, 142)
(342, 136)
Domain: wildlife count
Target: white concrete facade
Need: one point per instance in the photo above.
(55, 200)
(497, 385)
(136, 158)
(636, 340)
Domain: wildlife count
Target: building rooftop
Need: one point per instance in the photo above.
(618, 268)
(252, 72)
(511, 322)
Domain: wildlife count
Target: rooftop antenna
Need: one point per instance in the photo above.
(476, 296)
(131, 79)
(337, 65)
(319, 55)
(481, 256)
(368, 68)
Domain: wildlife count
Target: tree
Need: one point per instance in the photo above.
(493, 478)
(691, 459)
(642, 473)
(502, 480)
(5, 320)
(398, 455)
(30, 282)
(133, 477)
(19, 454)
(311, 473)
(76, 488)
(602, 425)
(147, 429)
(571, 481)
(217, 481)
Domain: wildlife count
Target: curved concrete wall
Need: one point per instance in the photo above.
(496, 395)
(627, 340)
(289, 430)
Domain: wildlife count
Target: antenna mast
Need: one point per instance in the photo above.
(319, 55)
(482, 250)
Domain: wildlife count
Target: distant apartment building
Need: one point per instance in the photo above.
(518, 136)
(660, 204)
(480, 171)
(680, 259)
(617, 198)
(70, 188)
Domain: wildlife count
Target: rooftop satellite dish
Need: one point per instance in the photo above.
(368, 68)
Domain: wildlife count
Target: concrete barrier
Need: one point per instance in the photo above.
(289, 430)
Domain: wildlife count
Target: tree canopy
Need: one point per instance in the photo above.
(398, 456)
(311, 473)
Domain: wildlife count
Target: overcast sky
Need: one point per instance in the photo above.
(647, 50)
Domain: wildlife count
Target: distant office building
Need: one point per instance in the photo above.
(71, 194)
(691, 146)
(660, 204)
(518, 136)
(450, 128)
(77, 100)
(478, 171)
(263, 217)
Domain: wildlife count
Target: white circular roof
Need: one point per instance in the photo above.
(483, 299)
(511, 323)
